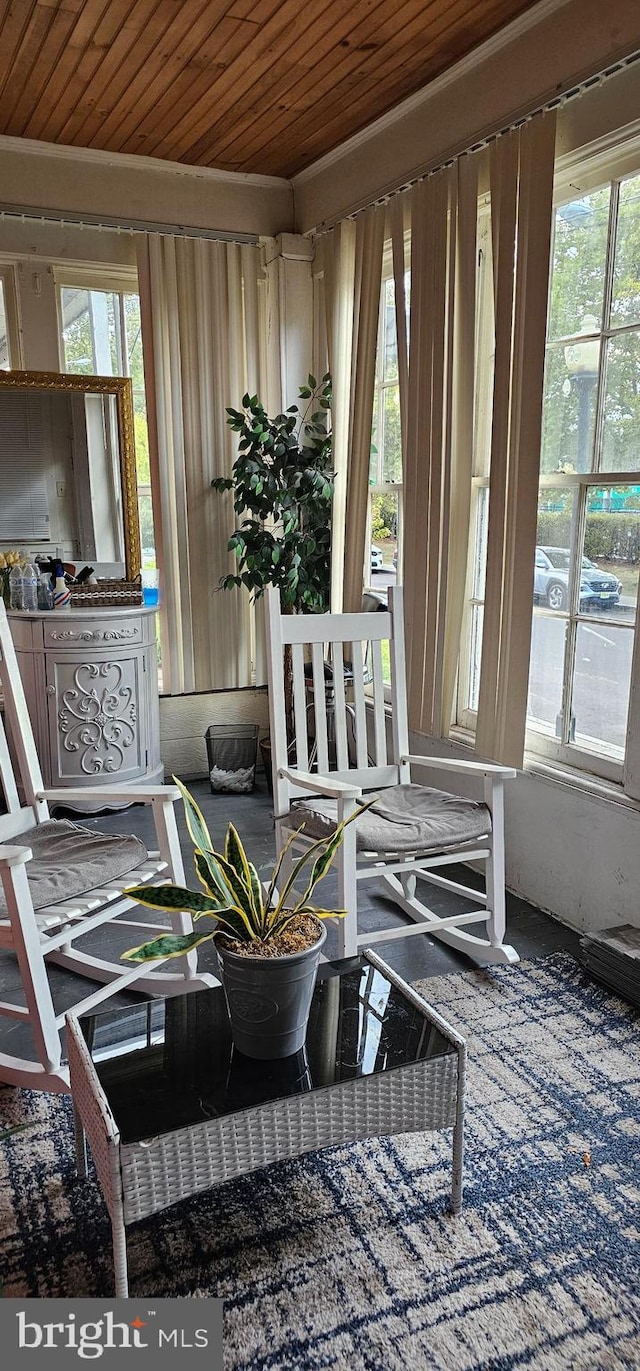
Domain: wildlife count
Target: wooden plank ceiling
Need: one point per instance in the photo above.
(261, 86)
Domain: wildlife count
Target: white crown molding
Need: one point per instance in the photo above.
(522, 25)
(31, 147)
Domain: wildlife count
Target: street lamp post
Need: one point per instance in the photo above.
(582, 361)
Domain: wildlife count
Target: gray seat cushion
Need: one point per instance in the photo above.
(404, 818)
(69, 860)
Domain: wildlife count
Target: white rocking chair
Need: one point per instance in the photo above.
(53, 864)
(413, 831)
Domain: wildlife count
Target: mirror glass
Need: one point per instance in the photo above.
(67, 470)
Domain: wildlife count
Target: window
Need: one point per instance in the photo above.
(9, 343)
(470, 656)
(588, 534)
(101, 336)
(581, 694)
(385, 471)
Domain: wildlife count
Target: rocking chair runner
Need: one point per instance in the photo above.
(61, 881)
(412, 832)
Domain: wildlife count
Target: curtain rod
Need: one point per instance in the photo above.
(113, 225)
(555, 102)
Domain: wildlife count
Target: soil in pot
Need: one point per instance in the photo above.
(269, 987)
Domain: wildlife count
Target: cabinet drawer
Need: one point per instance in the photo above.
(109, 633)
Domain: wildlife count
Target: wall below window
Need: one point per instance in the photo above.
(574, 854)
(184, 720)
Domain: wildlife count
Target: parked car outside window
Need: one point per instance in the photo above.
(551, 581)
(376, 558)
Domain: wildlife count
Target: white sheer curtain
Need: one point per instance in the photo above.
(200, 324)
(522, 164)
(352, 262)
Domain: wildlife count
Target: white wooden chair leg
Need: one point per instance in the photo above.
(35, 982)
(348, 895)
(169, 849)
(494, 867)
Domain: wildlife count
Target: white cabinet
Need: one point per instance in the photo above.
(91, 681)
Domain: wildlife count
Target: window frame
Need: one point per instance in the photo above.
(118, 281)
(14, 332)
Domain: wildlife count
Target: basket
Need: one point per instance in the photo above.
(115, 593)
(232, 751)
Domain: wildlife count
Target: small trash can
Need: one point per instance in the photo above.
(232, 751)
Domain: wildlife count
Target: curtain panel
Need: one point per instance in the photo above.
(201, 336)
(352, 268)
(521, 177)
(437, 430)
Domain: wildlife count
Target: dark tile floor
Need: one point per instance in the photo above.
(531, 932)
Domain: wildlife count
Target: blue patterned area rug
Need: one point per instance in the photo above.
(349, 1258)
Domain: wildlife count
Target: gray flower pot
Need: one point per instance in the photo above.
(269, 999)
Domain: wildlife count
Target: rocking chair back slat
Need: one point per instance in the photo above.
(342, 746)
(320, 706)
(357, 663)
(299, 707)
(379, 720)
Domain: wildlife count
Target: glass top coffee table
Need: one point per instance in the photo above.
(170, 1108)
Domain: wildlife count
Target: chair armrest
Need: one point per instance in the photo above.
(14, 856)
(461, 767)
(321, 785)
(142, 794)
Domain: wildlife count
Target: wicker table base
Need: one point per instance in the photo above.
(144, 1177)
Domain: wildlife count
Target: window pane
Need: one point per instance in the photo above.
(600, 698)
(133, 327)
(544, 705)
(141, 438)
(390, 340)
(147, 538)
(477, 617)
(579, 253)
(384, 530)
(621, 432)
(568, 426)
(611, 560)
(374, 459)
(5, 363)
(392, 450)
(625, 304)
(77, 338)
(480, 557)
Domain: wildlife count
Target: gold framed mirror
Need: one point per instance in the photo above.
(79, 458)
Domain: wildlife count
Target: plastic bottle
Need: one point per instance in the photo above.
(61, 594)
(45, 591)
(15, 587)
(29, 587)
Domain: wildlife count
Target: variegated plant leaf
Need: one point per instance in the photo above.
(167, 945)
(237, 858)
(274, 879)
(326, 849)
(196, 823)
(211, 876)
(174, 897)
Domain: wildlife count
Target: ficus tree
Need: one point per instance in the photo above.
(282, 483)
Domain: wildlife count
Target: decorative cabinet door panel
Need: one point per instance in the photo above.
(95, 726)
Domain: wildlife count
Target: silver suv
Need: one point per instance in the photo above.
(551, 581)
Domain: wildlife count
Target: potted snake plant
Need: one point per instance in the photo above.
(268, 942)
